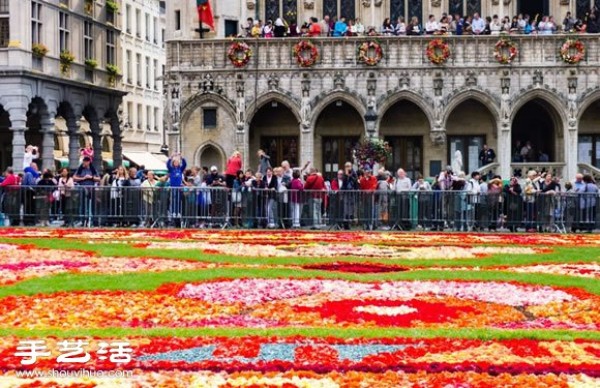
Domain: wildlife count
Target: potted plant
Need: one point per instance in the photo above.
(113, 72)
(39, 50)
(91, 63)
(66, 59)
(112, 6)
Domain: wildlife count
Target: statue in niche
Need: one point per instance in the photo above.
(572, 109)
(240, 110)
(305, 109)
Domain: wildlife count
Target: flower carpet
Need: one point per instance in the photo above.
(200, 308)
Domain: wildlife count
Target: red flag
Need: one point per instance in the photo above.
(205, 13)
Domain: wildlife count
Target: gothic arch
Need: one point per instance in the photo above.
(198, 100)
(389, 100)
(208, 145)
(471, 94)
(588, 100)
(273, 96)
(552, 99)
(323, 101)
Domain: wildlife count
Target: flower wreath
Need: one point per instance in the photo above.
(568, 46)
(505, 51)
(438, 51)
(239, 54)
(304, 46)
(363, 53)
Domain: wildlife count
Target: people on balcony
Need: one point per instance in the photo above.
(447, 25)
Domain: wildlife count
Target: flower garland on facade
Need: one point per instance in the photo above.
(567, 48)
(438, 51)
(363, 53)
(303, 47)
(239, 54)
(505, 51)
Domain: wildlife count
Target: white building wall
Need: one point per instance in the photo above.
(143, 59)
(224, 11)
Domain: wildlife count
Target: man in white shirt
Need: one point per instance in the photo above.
(478, 24)
(401, 209)
(431, 27)
(325, 26)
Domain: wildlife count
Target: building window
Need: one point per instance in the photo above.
(286, 9)
(156, 75)
(110, 47)
(4, 24)
(407, 9)
(459, 7)
(36, 22)
(589, 149)
(156, 119)
(63, 31)
(149, 117)
(130, 112)
(140, 116)
(148, 76)
(129, 67)
(138, 68)
(138, 23)
(148, 27)
(209, 118)
(156, 30)
(339, 8)
(128, 19)
(88, 40)
(177, 20)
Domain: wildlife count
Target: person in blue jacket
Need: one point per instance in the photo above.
(176, 166)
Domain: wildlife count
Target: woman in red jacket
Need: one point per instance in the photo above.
(234, 164)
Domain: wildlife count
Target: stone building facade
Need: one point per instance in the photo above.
(57, 91)
(143, 54)
(426, 111)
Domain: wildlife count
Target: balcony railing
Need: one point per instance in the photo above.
(399, 52)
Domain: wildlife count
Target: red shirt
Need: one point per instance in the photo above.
(234, 165)
(368, 184)
(314, 30)
(10, 180)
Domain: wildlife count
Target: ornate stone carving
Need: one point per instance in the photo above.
(438, 86)
(505, 111)
(378, 3)
(309, 4)
(305, 108)
(495, 2)
(572, 82)
(273, 82)
(538, 78)
(251, 4)
(175, 106)
(404, 80)
(208, 85)
(471, 79)
(564, 2)
(436, 3)
(438, 111)
(572, 110)
(366, 3)
(438, 136)
(507, 2)
(240, 106)
(339, 81)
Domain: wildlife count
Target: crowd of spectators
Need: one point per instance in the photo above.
(447, 24)
(285, 196)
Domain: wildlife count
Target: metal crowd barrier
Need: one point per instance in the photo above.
(192, 207)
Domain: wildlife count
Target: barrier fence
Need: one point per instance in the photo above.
(188, 207)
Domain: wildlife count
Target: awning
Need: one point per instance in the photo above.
(62, 162)
(146, 159)
(111, 164)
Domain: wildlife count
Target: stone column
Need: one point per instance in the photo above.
(117, 142)
(48, 131)
(504, 151)
(571, 157)
(18, 119)
(96, 143)
(307, 146)
(73, 128)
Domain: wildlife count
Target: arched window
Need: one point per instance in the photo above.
(464, 7)
(406, 9)
(285, 9)
(339, 8)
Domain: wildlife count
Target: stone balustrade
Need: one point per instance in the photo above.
(399, 52)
